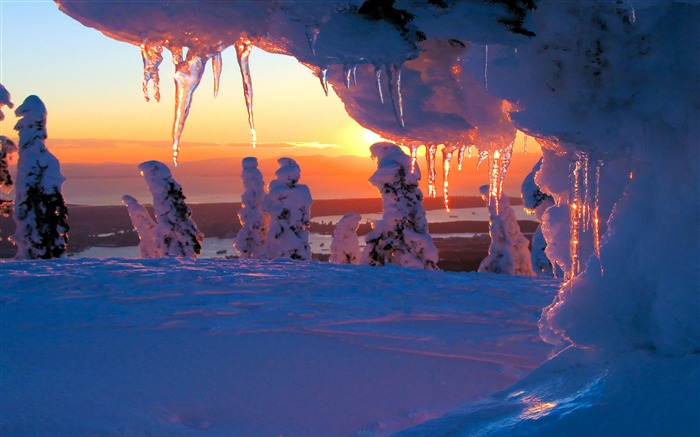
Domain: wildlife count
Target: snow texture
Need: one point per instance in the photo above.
(288, 205)
(345, 247)
(40, 212)
(401, 236)
(536, 202)
(176, 233)
(181, 347)
(145, 226)
(250, 240)
(508, 251)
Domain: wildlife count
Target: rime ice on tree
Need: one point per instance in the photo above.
(6, 147)
(40, 211)
(146, 228)
(345, 247)
(250, 241)
(536, 202)
(176, 233)
(508, 252)
(288, 204)
(401, 236)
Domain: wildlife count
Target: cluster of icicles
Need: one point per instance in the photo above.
(499, 160)
(189, 70)
(584, 201)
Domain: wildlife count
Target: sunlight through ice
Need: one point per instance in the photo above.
(152, 57)
(188, 75)
(216, 64)
(243, 48)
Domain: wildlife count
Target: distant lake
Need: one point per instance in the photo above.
(440, 215)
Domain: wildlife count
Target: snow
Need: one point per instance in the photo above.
(250, 240)
(345, 247)
(174, 346)
(508, 251)
(288, 205)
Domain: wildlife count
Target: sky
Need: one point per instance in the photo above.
(92, 87)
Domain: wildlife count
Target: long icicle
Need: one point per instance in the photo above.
(393, 73)
(596, 215)
(499, 160)
(243, 48)
(414, 156)
(188, 75)
(430, 152)
(152, 57)
(460, 155)
(216, 65)
(378, 77)
(447, 152)
(486, 67)
(322, 74)
(575, 216)
(347, 73)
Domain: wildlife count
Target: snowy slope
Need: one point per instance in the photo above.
(178, 347)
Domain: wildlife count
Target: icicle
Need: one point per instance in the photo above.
(311, 35)
(216, 64)
(460, 155)
(430, 152)
(447, 152)
(586, 195)
(575, 217)
(414, 156)
(243, 48)
(322, 74)
(393, 73)
(347, 72)
(499, 160)
(525, 144)
(152, 57)
(354, 74)
(486, 67)
(469, 152)
(596, 218)
(378, 75)
(188, 74)
(483, 155)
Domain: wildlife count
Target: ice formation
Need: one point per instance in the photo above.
(176, 233)
(188, 75)
(401, 236)
(611, 81)
(145, 226)
(250, 240)
(243, 48)
(345, 247)
(40, 211)
(152, 57)
(508, 251)
(288, 205)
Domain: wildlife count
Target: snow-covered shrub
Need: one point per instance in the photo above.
(345, 247)
(288, 205)
(250, 241)
(176, 233)
(6, 148)
(508, 252)
(536, 202)
(40, 211)
(145, 226)
(401, 236)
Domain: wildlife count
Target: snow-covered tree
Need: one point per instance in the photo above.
(536, 202)
(508, 252)
(250, 241)
(6, 148)
(345, 247)
(145, 226)
(176, 233)
(288, 205)
(401, 236)
(40, 211)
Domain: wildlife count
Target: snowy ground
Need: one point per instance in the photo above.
(170, 347)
